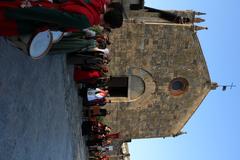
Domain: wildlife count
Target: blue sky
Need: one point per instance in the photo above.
(213, 131)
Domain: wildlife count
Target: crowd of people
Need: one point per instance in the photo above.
(99, 135)
(88, 24)
(92, 71)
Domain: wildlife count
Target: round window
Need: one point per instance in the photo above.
(178, 86)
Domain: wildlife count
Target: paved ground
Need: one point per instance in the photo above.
(40, 116)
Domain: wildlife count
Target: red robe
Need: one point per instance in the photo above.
(104, 158)
(97, 4)
(80, 7)
(9, 27)
(80, 75)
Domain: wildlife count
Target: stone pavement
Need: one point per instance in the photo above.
(40, 115)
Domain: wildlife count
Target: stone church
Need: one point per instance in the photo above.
(159, 74)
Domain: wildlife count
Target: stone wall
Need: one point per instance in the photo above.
(153, 52)
(157, 53)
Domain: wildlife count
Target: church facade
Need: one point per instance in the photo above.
(159, 73)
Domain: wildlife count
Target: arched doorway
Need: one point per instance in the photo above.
(118, 86)
(125, 88)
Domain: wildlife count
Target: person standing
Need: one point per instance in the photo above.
(16, 19)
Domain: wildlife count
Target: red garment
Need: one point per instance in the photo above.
(15, 4)
(104, 158)
(98, 5)
(82, 8)
(80, 75)
(97, 127)
(113, 135)
(10, 27)
(91, 10)
(7, 26)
